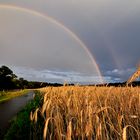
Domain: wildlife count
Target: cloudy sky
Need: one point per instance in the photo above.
(38, 49)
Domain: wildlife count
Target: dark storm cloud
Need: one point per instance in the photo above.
(40, 44)
(120, 75)
(110, 29)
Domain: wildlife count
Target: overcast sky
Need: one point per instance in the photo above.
(39, 50)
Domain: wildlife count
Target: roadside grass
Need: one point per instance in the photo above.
(6, 95)
(20, 126)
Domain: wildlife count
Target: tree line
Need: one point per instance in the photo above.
(9, 81)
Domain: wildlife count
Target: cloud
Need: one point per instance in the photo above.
(67, 76)
(110, 29)
(121, 72)
(39, 44)
(54, 76)
(120, 75)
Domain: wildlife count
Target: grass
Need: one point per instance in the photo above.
(21, 125)
(86, 113)
(6, 95)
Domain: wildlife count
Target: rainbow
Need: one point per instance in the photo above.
(53, 21)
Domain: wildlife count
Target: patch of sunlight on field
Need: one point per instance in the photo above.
(6, 95)
(87, 112)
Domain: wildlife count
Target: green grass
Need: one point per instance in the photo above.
(6, 95)
(21, 125)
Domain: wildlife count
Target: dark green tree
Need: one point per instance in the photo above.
(23, 83)
(6, 78)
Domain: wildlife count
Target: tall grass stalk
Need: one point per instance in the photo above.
(85, 112)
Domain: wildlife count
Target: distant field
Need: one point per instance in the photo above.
(6, 95)
(98, 113)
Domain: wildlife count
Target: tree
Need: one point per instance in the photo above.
(6, 72)
(6, 78)
(23, 83)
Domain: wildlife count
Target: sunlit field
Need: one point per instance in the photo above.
(87, 112)
(4, 96)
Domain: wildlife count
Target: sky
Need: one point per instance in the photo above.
(37, 49)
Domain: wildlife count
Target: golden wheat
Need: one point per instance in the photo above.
(88, 112)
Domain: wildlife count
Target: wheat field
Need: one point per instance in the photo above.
(87, 113)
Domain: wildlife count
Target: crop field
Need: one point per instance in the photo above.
(87, 113)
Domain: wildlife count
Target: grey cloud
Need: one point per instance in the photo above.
(54, 76)
(110, 29)
(120, 75)
(40, 44)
